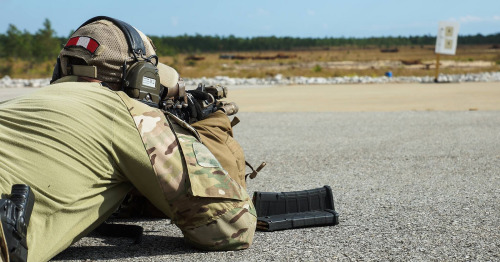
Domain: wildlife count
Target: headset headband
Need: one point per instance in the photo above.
(133, 37)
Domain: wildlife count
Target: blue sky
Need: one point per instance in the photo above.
(348, 18)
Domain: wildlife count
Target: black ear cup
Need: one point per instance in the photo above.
(142, 82)
(56, 74)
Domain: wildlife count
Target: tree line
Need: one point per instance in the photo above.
(40, 46)
(45, 44)
(199, 43)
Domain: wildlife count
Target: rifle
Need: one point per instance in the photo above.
(190, 105)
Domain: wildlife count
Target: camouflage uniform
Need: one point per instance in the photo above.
(211, 208)
(82, 147)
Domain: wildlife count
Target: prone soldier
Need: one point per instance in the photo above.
(82, 143)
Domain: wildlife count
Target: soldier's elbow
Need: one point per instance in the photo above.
(225, 233)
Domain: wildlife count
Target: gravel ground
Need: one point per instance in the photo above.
(278, 79)
(409, 186)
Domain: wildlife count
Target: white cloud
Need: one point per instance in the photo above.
(262, 12)
(174, 20)
(267, 28)
(474, 19)
(311, 12)
(259, 13)
(470, 18)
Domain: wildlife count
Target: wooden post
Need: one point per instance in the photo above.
(437, 68)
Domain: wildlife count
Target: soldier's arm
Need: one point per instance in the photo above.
(231, 231)
(189, 184)
(234, 229)
(216, 213)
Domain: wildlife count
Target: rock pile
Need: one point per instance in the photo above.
(300, 80)
(6, 81)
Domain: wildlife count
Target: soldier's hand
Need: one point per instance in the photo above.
(194, 105)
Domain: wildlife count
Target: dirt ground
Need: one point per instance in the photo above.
(338, 61)
(369, 97)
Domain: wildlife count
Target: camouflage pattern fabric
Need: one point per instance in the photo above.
(207, 177)
(213, 211)
(216, 133)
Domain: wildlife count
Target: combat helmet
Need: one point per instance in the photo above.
(116, 53)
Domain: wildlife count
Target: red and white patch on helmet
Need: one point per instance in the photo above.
(86, 42)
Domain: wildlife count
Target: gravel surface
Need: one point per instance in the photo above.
(6, 81)
(409, 186)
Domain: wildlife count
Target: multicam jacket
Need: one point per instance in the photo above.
(212, 210)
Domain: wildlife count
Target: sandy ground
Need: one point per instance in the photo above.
(8, 93)
(369, 98)
(355, 97)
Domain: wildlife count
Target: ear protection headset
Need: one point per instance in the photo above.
(141, 80)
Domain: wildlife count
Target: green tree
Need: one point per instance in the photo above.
(47, 45)
(17, 44)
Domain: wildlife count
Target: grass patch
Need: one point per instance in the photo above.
(317, 69)
(17, 68)
(309, 63)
